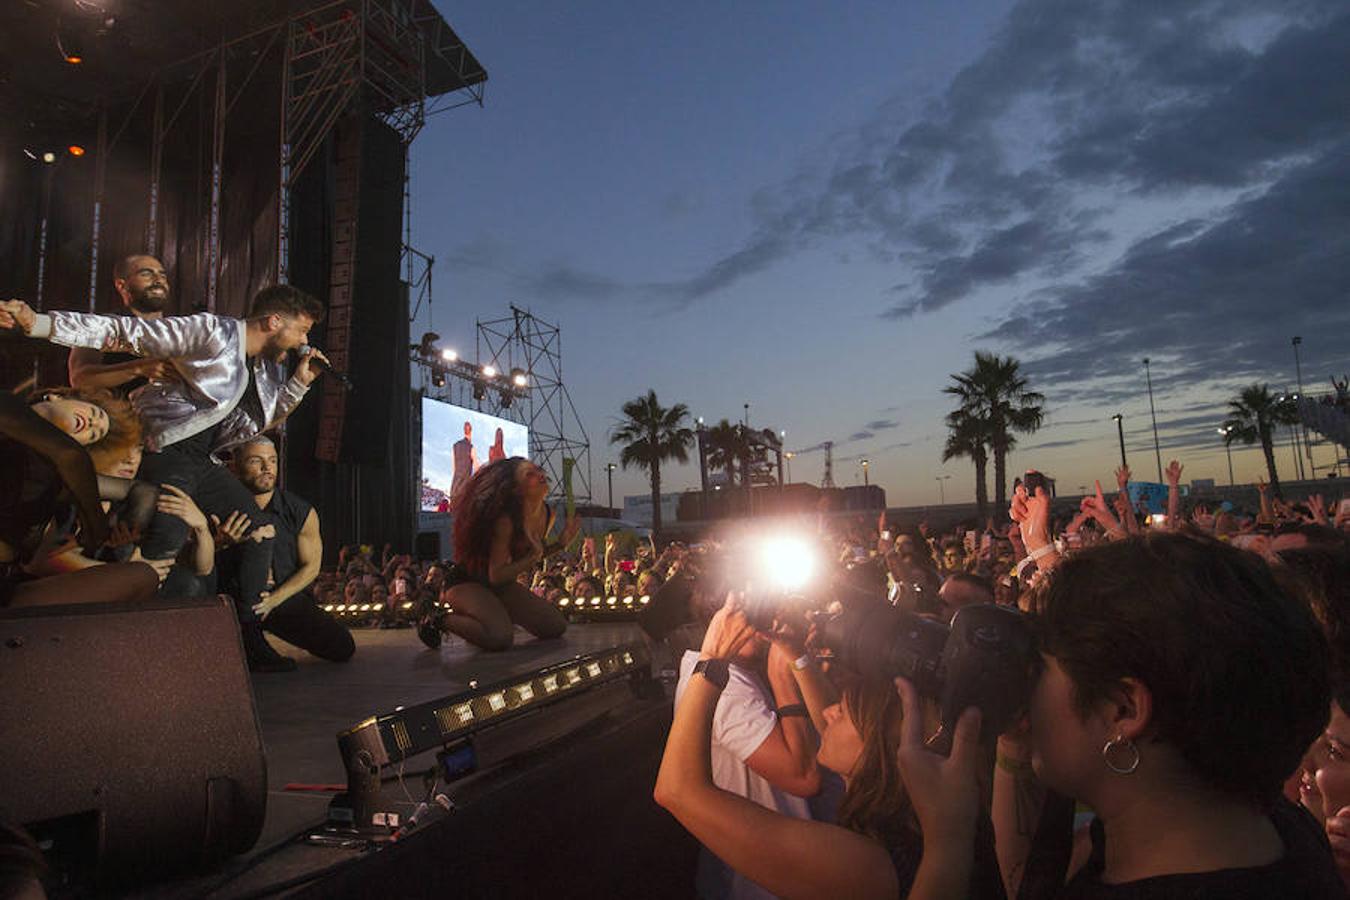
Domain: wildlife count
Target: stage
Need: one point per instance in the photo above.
(573, 818)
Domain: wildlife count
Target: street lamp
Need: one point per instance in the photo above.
(1298, 371)
(1120, 433)
(609, 473)
(864, 467)
(788, 459)
(1152, 412)
(1228, 448)
(942, 493)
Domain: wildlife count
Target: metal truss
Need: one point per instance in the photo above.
(524, 341)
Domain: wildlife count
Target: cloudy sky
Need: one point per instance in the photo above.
(824, 209)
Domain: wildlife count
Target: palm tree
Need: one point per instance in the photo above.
(1253, 416)
(724, 442)
(652, 434)
(995, 392)
(967, 436)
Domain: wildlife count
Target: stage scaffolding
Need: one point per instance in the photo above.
(380, 56)
(523, 341)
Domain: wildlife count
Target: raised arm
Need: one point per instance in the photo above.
(787, 856)
(787, 757)
(157, 338)
(86, 370)
(1174, 495)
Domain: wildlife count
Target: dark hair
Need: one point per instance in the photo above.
(1237, 667)
(286, 300)
(1320, 575)
(1319, 535)
(491, 493)
(978, 582)
(124, 423)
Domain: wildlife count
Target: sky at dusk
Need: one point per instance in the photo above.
(824, 209)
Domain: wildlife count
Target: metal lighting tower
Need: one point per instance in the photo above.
(1157, 450)
(828, 480)
(524, 343)
(1298, 371)
(1120, 433)
(1228, 447)
(942, 491)
(609, 473)
(866, 483)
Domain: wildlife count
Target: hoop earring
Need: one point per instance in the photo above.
(1111, 746)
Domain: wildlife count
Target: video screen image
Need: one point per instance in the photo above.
(456, 442)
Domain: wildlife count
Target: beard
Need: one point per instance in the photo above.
(149, 300)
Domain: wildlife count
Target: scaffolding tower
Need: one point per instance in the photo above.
(558, 440)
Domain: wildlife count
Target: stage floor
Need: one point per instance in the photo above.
(302, 711)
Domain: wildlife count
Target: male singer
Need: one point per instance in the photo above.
(231, 385)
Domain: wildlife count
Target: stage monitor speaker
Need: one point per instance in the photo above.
(131, 738)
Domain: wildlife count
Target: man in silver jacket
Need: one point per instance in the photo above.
(231, 385)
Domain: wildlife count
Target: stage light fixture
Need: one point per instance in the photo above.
(506, 398)
(479, 389)
(75, 150)
(519, 378)
(438, 377)
(49, 157)
(449, 355)
(489, 371)
(563, 601)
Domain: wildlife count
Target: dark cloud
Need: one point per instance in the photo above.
(881, 425)
(860, 436)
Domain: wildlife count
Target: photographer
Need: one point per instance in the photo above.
(874, 849)
(1180, 686)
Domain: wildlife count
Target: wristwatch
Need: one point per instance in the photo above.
(718, 671)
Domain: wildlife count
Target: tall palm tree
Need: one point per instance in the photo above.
(967, 436)
(1253, 416)
(996, 393)
(652, 434)
(725, 449)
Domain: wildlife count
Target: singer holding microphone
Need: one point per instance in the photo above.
(231, 384)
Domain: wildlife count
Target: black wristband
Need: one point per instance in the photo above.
(718, 671)
(792, 709)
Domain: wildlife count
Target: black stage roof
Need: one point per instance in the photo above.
(124, 42)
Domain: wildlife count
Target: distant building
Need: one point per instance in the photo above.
(639, 509)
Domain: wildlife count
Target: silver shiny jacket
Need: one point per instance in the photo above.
(208, 353)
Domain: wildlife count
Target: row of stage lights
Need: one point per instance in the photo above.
(589, 605)
(444, 362)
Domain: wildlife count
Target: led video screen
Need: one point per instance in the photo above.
(456, 442)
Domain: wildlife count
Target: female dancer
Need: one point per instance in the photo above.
(501, 523)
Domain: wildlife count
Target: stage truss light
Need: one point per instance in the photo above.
(49, 157)
(449, 355)
(479, 389)
(438, 377)
(506, 398)
(75, 150)
(489, 371)
(519, 378)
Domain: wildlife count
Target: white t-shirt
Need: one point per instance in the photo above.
(744, 718)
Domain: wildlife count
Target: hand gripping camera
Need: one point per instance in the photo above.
(987, 659)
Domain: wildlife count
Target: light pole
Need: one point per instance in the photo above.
(787, 459)
(1298, 371)
(701, 431)
(609, 473)
(1120, 433)
(865, 481)
(1157, 450)
(942, 493)
(1228, 448)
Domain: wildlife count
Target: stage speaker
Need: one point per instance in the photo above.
(130, 734)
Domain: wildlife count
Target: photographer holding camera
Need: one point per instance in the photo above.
(875, 848)
(1179, 687)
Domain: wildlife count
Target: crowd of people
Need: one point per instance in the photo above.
(1189, 696)
(1190, 685)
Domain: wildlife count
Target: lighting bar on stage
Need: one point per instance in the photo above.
(486, 724)
(602, 607)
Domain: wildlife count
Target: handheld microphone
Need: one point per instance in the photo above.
(325, 366)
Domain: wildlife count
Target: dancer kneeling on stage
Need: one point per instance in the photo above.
(501, 523)
(287, 609)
